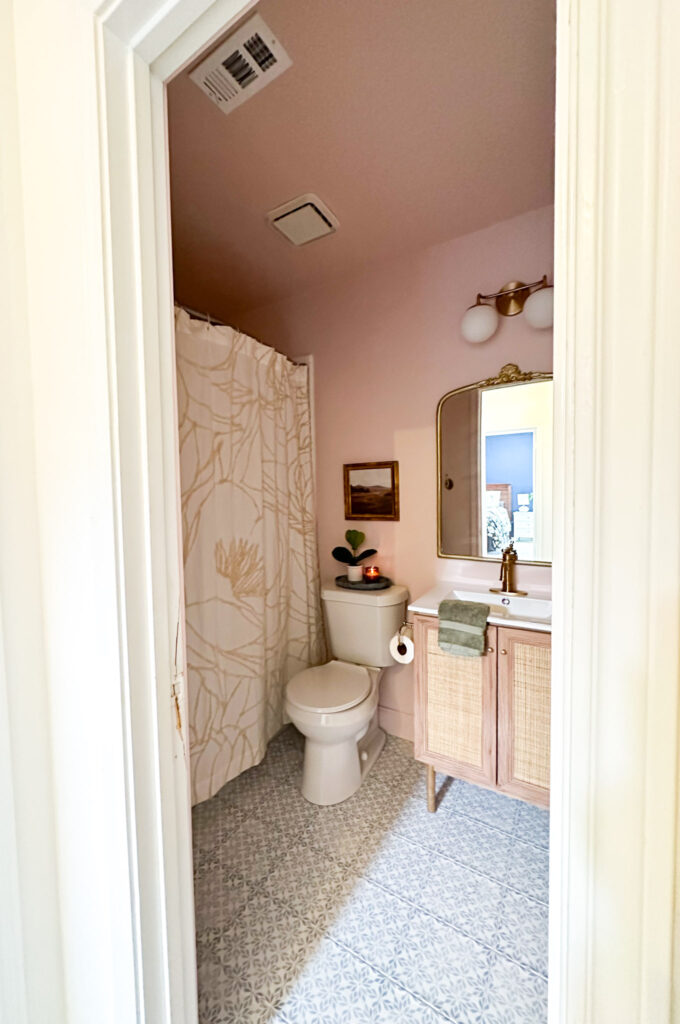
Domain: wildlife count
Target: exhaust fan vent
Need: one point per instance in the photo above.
(246, 61)
(303, 219)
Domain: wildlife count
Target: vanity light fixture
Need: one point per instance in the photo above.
(480, 321)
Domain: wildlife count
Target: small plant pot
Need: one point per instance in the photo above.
(355, 573)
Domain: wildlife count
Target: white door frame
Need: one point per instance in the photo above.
(138, 52)
(616, 638)
(617, 377)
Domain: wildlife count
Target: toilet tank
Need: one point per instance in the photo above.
(361, 623)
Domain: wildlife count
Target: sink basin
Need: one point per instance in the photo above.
(504, 606)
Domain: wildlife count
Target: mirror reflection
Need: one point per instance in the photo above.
(495, 467)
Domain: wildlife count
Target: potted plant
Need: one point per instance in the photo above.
(350, 558)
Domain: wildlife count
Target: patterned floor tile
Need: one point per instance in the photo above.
(469, 842)
(444, 792)
(522, 931)
(395, 761)
(352, 831)
(463, 898)
(221, 1003)
(453, 796)
(313, 887)
(338, 988)
(373, 925)
(285, 809)
(212, 822)
(439, 965)
(256, 959)
(446, 968)
(373, 909)
(528, 870)
(411, 786)
(290, 737)
(514, 995)
(532, 825)
(253, 849)
(258, 785)
(220, 894)
(484, 805)
(285, 752)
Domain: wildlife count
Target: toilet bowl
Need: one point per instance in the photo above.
(335, 706)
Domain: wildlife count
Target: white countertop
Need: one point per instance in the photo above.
(530, 612)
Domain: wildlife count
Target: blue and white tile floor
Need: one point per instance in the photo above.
(373, 910)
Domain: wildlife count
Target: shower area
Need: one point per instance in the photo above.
(251, 576)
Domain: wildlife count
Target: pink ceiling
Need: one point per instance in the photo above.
(415, 121)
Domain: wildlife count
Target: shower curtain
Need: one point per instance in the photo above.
(253, 615)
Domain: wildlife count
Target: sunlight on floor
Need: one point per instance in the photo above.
(372, 910)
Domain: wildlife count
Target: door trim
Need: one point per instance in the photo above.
(139, 47)
(617, 376)
(616, 564)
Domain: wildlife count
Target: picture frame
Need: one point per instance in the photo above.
(371, 490)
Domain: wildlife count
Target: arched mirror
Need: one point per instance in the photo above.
(494, 467)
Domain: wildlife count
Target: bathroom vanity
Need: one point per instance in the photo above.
(486, 719)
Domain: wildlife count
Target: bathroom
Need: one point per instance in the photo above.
(372, 311)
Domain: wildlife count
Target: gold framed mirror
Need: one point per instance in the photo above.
(494, 468)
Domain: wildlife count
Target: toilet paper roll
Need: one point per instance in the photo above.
(402, 649)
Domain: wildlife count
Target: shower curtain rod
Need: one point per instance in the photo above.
(208, 319)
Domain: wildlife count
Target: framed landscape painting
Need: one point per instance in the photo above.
(371, 490)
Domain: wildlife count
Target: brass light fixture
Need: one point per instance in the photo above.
(480, 321)
(512, 296)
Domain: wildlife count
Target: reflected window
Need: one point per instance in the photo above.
(516, 470)
(509, 497)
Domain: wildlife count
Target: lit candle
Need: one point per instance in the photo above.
(371, 573)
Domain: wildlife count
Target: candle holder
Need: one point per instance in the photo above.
(371, 573)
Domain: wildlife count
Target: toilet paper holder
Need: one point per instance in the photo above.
(401, 647)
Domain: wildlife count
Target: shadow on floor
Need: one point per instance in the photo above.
(372, 910)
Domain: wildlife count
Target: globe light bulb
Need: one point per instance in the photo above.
(479, 323)
(538, 309)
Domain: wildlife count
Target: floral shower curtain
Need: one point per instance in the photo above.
(253, 615)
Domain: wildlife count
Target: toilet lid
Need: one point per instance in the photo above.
(336, 686)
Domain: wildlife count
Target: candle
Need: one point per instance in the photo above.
(371, 573)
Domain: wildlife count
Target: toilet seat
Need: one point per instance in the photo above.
(325, 689)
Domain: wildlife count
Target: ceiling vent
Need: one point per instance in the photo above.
(246, 61)
(303, 219)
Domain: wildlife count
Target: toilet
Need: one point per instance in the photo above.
(335, 706)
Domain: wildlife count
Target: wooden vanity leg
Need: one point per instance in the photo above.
(431, 778)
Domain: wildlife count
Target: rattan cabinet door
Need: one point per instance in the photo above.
(455, 707)
(524, 714)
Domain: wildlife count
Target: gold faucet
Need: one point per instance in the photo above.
(507, 577)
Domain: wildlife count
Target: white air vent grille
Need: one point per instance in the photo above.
(245, 62)
(303, 219)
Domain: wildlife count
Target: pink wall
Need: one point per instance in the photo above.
(386, 346)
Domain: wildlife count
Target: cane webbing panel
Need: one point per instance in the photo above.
(531, 713)
(454, 704)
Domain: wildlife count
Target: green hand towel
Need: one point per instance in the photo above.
(462, 628)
